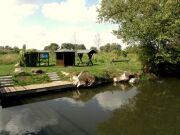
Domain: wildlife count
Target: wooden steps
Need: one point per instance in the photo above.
(6, 81)
(53, 76)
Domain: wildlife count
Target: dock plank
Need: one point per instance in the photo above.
(7, 90)
(12, 89)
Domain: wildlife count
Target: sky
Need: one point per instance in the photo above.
(37, 23)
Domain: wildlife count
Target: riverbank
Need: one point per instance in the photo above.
(102, 68)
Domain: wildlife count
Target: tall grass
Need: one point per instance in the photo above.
(9, 58)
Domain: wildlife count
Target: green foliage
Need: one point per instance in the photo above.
(52, 47)
(22, 58)
(10, 58)
(154, 25)
(28, 57)
(101, 60)
(67, 46)
(133, 49)
(79, 47)
(73, 46)
(94, 48)
(124, 53)
(110, 47)
(7, 49)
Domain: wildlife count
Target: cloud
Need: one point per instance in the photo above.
(11, 14)
(72, 102)
(70, 11)
(24, 23)
(114, 100)
(20, 121)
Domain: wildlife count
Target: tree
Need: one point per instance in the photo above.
(16, 49)
(79, 47)
(73, 46)
(105, 48)
(154, 25)
(94, 48)
(115, 46)
(110, 47)
(67, 46)
(52, 47)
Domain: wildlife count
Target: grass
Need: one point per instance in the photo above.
(102, 66)
(8, 58)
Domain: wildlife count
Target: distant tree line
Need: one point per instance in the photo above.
(54, 46)
(110, 47)
(7, 49)
(73, 46)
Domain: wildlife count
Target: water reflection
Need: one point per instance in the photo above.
(114, 99)
(150, 108)
(18, 121)
(73, 112)
(156, 112)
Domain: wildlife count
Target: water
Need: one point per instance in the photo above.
(152, 108)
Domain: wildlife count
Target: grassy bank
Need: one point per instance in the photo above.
(6, 59)
(102, 66)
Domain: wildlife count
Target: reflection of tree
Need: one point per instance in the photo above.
(156, 112)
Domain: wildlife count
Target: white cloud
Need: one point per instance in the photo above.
(70, 11)
(115, 99)
(16, 30)
(11, 15)
(11, 12)
(72, 102)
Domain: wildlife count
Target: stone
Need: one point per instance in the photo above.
(84, 79)
(65, 73)
(17, 65)
(19, 72)
(37, 71)
(122, 78)
(134, 80)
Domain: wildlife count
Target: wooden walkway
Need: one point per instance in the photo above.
(29, 89)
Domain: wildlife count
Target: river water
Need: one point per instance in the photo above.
(151, 108)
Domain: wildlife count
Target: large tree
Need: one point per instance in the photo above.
(153, 24)
(67, 46)
(52, 47)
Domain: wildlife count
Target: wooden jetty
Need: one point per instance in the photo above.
(35, 88)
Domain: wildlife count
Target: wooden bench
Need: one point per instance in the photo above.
(119, 61)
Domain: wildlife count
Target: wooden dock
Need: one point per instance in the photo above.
(35, 88)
